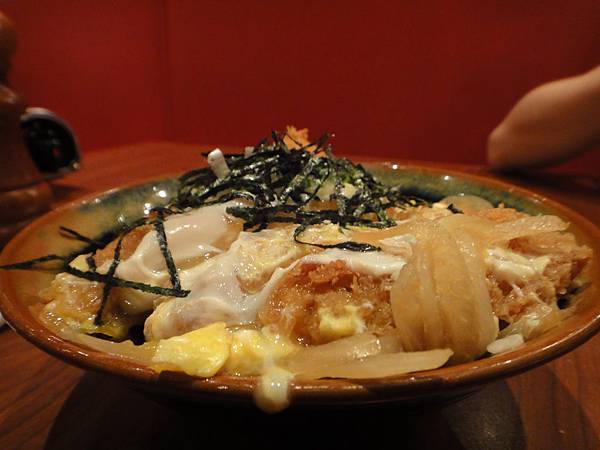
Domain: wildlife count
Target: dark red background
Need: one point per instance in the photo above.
(418, 80)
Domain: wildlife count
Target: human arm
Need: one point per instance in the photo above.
(550, 124)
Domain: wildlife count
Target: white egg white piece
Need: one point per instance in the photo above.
(377, 264)
(505, 344)
(513, 267)
(221, 289)
(192, 238)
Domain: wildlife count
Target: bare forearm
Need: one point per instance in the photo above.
(550, 124)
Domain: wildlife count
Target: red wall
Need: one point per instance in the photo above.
(419, 80)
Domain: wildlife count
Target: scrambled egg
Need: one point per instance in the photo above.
(252, 351)
(201, 352)
(335, 326)
(206, 351)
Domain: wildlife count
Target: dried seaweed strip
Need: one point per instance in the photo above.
(297, 182)
(32, 263)
(107, 284)
(278, 183)
(119, 282)
(80, 237)
(347, 245)
(91, 262)
(164, 249)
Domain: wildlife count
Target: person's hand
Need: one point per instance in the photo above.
(552, 123)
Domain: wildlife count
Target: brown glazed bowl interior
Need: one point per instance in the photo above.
(92, 216)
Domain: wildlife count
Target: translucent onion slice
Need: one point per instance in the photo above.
(527, 226)
(505, 344)
(390, 342)
(536, 321)
(434, 333)
(126, 349)
(479, 229)
(459, 301)
(466, 202)
(472, 248)
(440, 299)
(410, 313)
(413, 298)
(333, 353)
(383, 365)
(488, 233)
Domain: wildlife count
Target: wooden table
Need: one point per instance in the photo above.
(45, 403)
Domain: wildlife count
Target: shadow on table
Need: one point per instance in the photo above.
(103, 413)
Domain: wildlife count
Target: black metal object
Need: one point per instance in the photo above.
(51, 142)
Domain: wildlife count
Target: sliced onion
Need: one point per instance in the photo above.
(505, 344)
(407, 314)
(390, 343)
(440, 299)
(383, 365)
(331, 354)
(535, 322)
(466, 202)
(126, 349)
(479, 229)
(472, 248)
(527, 226)
(487, 232)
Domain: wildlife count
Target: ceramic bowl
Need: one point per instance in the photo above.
(18, 292)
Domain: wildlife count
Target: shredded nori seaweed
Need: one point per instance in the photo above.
(74, 234)
(109, 276)
(34, 263)
(164, 249)
(279, 183)
(119, 282)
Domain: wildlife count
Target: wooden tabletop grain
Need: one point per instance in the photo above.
(45, 403)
